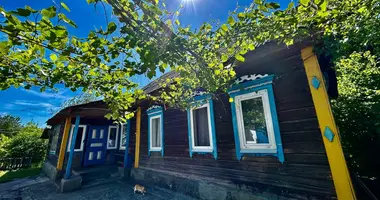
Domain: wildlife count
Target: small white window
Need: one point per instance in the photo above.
(123, 136)
(93, 134)
(254, 120)
(54, 139)
(81, 135)
(112, 137)
(101, 133)
(201, 129)
(155, 133)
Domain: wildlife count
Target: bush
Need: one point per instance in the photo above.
(4, 140)
(28, 144)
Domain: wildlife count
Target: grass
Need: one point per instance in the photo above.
(6, 176)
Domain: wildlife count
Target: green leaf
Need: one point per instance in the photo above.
(49, 12)
(241, 15)
(53, 57)
(272, 5)
(231, 21)
(224, 27)
(177, 22)
(65, 6)
(258, 2)
(155, 2)
(362, 9)
(23, 12)
(31, 9)
(304, 2)
(239, 58)
(67, 20)
(291, 5)
(111, 27)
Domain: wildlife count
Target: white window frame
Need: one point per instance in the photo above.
(151, 148)
(201, 148)
(245, 147)
(116, 138)
(83, 137)
(121, 135)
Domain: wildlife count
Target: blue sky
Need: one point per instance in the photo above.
(32, 105)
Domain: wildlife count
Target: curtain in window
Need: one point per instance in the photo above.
(156, 132)
(200, 126)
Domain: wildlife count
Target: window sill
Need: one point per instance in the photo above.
(201, 150)
(258, 150)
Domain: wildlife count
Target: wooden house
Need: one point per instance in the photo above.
(271, 136)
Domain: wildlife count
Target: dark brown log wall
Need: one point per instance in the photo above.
(306, 169)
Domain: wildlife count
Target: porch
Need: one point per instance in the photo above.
(90, 149)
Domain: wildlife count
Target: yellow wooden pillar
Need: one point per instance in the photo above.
(62, 149)
(138, 130)
(330, 135)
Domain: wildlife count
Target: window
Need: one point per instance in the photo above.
(254, 116)
(54, 139)
(112, 137)
(201, 126)
(79, 142)
(125, 128)
(155, 129)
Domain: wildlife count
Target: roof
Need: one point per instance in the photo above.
(155, 85)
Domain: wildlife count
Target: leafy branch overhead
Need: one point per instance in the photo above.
(38, 49)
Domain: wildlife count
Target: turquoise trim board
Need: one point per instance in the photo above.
(153, 112)
(263, 83)
(128, 133)
(72, 146)
(196, 101)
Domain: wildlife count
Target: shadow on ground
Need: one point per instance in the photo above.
(41, 187)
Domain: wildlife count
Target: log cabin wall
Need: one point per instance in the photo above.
(305, 172)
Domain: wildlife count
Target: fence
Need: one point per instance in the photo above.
(15, 163)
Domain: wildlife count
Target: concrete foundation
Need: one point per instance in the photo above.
(74, 183)
(50, 170)
(125, 173)
(202, 188)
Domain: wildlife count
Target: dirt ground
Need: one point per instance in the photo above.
(40, 187)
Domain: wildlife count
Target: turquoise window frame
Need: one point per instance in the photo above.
(254, 86)
(153, 112)
(195, 102)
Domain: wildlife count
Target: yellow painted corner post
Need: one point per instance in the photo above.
(62, 149)
(137, 146)
(334, 151)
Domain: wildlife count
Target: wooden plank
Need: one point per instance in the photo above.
(339, 170)
(72, 147)
(63, 145)
(138, 129)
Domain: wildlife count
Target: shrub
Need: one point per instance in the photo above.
(28, 144)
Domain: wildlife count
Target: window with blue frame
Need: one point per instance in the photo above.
(254, 116)
(201, 126)
(155, 129)
(124, 134)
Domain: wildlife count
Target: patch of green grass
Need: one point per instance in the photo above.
(6, 176)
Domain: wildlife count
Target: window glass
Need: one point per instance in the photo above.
(78, 140)
(112, 137)
(255, 130)
(123, 135)
(54, 139)
(156, 132)
(200, 127)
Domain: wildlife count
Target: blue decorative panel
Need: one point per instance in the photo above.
(315, 82)
(329, 134)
